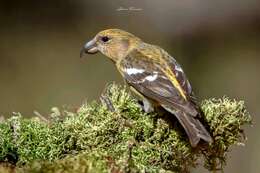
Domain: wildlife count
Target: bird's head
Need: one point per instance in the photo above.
(114, 43)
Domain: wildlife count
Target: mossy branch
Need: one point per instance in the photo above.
(117, 136)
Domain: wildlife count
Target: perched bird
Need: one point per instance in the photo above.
(154, 76)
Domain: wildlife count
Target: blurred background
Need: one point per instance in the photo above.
(217, 43)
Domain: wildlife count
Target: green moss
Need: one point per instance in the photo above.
(81, 163)
(225, 118)
(117, 136)
(7, 145)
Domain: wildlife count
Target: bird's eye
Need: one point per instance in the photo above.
(105, 39)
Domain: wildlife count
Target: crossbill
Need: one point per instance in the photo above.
(154, 75)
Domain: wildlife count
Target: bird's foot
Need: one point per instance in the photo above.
(146, 106)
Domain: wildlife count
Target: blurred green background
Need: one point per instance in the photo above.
(217, 43)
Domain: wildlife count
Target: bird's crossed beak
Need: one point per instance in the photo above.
(89, 48)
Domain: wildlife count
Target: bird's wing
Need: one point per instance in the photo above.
(182, 79)
(151, 81)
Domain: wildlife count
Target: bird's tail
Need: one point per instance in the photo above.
(193, 127)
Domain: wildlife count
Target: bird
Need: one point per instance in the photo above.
(154, 76)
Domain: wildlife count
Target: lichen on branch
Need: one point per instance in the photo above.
(117, 136)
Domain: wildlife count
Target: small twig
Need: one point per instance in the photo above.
(106, 101)
(2, 118)
(16, 125)
(40, 116)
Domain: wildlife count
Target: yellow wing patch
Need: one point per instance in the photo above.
(168, 72)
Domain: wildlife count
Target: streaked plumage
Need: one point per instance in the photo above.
(154, 75)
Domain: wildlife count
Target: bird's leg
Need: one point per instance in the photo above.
(147, 106)
(144, 103)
